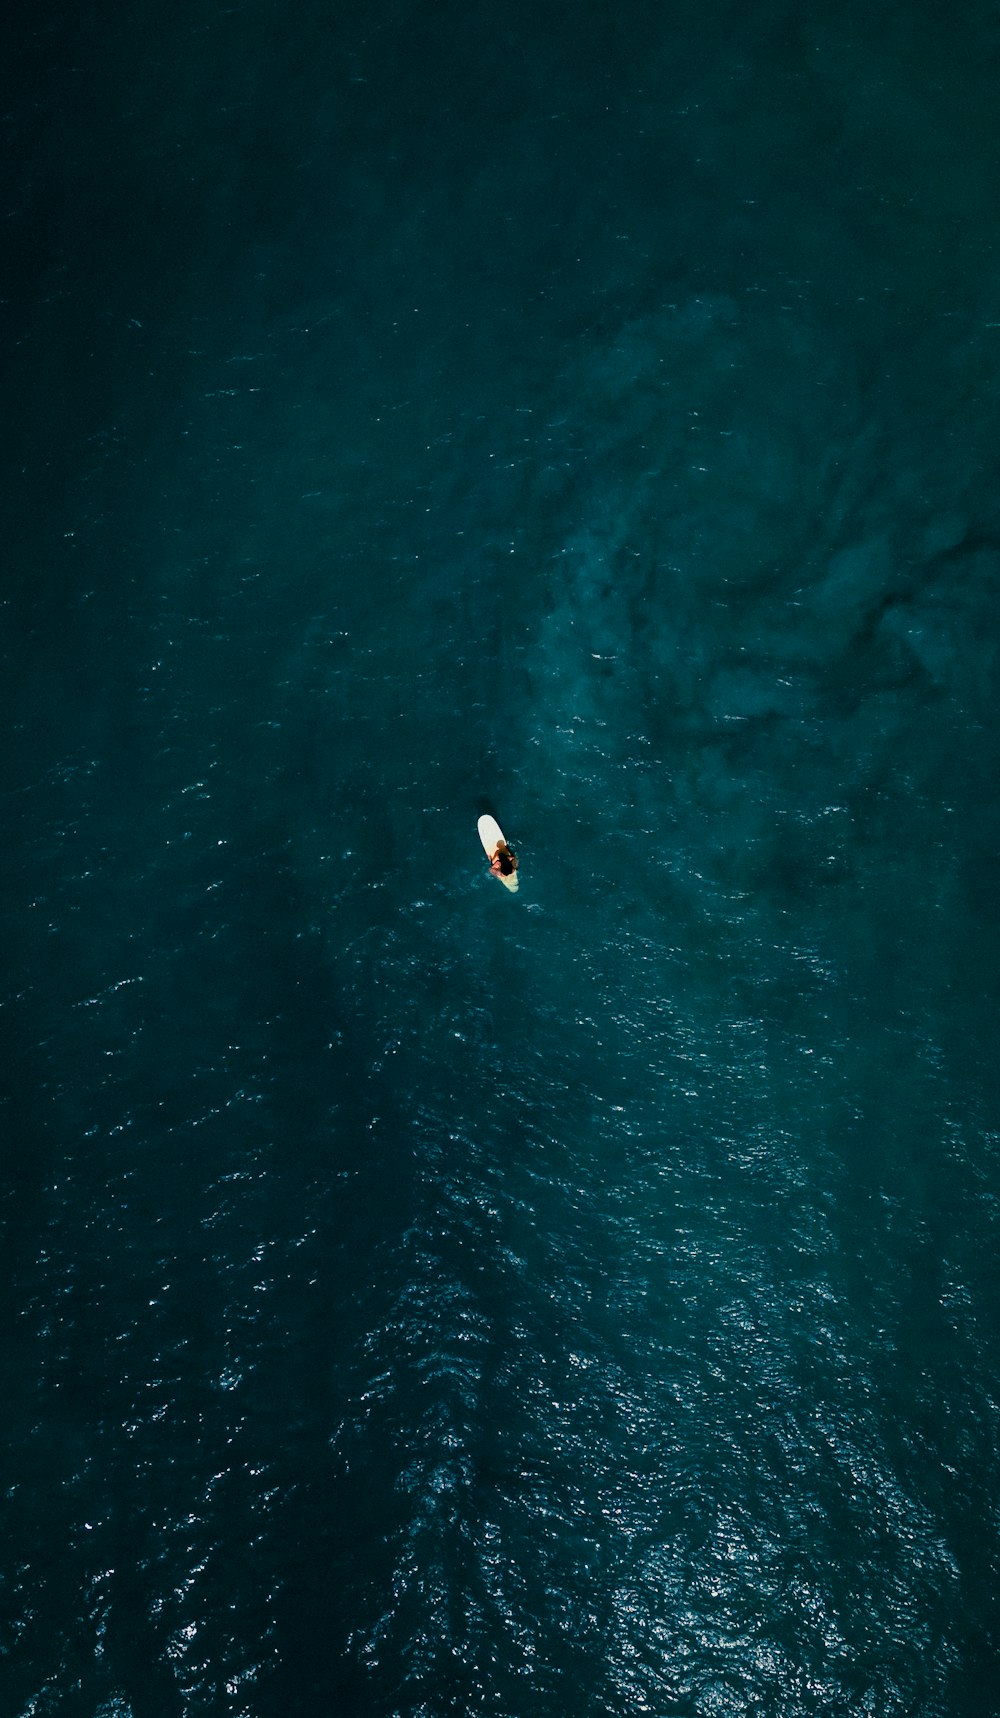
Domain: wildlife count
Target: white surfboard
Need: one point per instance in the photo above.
(489, 834)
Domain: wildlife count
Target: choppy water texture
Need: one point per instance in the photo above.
(419, 1300)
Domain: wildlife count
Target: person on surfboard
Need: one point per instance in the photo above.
(503, 862)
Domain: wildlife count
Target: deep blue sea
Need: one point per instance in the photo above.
(419, 1300)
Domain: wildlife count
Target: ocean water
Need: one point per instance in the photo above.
(419, 1300)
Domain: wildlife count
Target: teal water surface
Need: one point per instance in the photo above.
(419, 1300)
